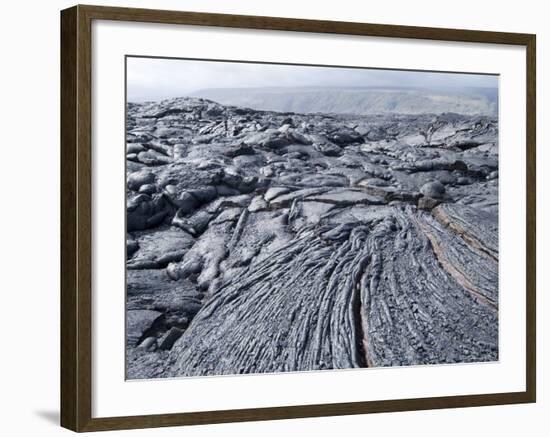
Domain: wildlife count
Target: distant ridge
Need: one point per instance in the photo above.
(359, 100)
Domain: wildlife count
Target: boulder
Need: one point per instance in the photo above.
(138, 322)
(139, 178)
(435, 190)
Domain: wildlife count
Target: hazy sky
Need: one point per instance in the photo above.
(155, 79)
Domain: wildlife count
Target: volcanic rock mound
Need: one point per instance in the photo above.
(263, 242)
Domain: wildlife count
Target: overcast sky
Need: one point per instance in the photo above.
(156, 79)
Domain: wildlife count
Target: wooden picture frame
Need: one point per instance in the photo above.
(76, 217)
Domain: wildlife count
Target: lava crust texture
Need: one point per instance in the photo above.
(268, 242)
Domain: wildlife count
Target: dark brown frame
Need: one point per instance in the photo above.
(76, 218)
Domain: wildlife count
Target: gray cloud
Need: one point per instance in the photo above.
(155, 79)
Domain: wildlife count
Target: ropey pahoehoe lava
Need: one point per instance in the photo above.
(261, 241)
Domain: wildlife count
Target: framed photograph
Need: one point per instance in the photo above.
(268, 218)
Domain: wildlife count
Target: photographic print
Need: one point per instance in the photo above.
(285, 218)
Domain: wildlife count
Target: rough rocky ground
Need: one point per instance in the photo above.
(263, 242)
